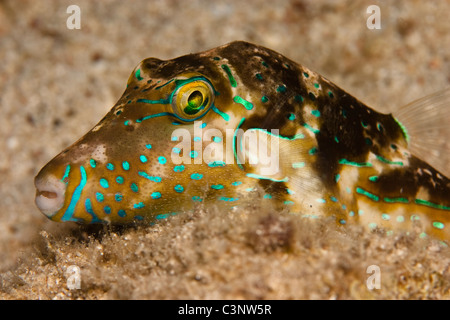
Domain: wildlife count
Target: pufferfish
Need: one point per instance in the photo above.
(243, 122)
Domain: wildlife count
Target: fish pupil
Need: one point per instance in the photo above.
(195, 101)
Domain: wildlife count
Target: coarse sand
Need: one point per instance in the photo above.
(56, 84)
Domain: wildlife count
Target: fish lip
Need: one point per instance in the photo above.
(50, 194)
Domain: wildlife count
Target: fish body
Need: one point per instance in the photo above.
(243, 122)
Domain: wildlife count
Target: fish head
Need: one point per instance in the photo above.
(167, 144)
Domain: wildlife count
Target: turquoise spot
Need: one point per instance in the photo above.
(400, 219)
(289, 202)
(104, 183)
(438, 225)
(162, 216)
(194, 154)
(197, 139)
(196, 176)
(162, 160)
(342, 221)
(174, 138)
(372, 225)
(151, 178)
(351, 214)
(316, 85)
(217, 186)
(337, 177)
(360, 212)
(125, 165)
(178, 188)
(107, 209)
(228, 199)
(380, 127)
(259, 76)
(110, 166)
(179, 168)
(119, 179)
(148, 146)
(312, 151)
(118, 197)
(138, 74)
(315, 113)
(217, 139)
(297, 165)
(267, 196)
(156, 195)
(122, 213)
(306, 75)
(291, 116)
(281, 88)
(134, 187)
(264, 99)
(138, 205)
(176, 150)
(197, 199)
(334, 199)
(100, 197)
(203, 125)
(143, 158)
(140, 218)
(321, 200)
(236, 183)
(298, 98)
(93, 163)
(385, 216)
(214, 164)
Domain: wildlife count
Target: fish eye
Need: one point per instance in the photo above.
(192, 100)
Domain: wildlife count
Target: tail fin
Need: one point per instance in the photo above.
(427, 122)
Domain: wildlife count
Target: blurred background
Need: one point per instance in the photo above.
(56, 83)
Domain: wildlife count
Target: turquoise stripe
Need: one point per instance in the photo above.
(66, 174)
(252, 175)
(225, 116)
(75, 197)
(88, 206)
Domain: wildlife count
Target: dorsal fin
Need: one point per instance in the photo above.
(427, 125)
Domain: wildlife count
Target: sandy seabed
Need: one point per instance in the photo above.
(56, 84)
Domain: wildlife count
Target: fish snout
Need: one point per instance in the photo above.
(50, 194)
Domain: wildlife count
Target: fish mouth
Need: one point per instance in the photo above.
(50, 194)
